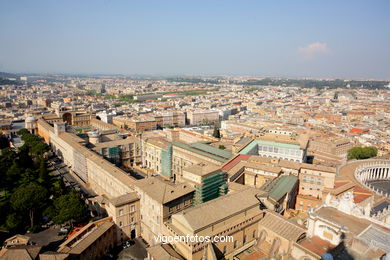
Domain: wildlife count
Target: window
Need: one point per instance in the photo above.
(244, 241)
(120, 223)
(132, 208)
(254, 234)
(235, 244)
(120, 212)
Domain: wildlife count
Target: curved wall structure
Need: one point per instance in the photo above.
(375, 176)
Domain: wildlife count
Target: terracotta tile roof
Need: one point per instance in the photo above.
(316, 245)
(241, 157)
(358, 131)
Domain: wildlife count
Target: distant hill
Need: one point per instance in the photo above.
(8, 75)
(5, 78)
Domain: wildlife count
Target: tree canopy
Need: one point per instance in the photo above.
(27, 189)
(4, 143)
(359, 153)
(67, 207)
(29, 198)
(216, 133)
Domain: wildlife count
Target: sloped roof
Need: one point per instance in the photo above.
(211, 149)
(377, 237)
(123, 199)
(213, 211)
(53, 256)
(237, 159)
(88, 240)
(163, 191)
(278, 187)
(199, 149)
(22, 252)
(282, 226)
(164, 252)
(202, 169)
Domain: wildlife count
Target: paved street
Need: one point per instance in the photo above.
(62, 170)
(137, 251)
(48, 238)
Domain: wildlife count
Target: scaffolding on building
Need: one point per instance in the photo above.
(212, 187)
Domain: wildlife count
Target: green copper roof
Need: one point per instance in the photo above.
(280, 186)
(213, 150)
(205, 150)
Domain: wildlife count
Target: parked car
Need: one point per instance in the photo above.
(64, 229)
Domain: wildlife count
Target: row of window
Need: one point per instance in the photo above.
(131, 222)
(303, 188)
(178, 206)
(273, 149)
(312, 180)
(132, 209)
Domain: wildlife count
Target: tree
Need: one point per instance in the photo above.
(6, 160)
(216, 132)
(68, 207)
(359, 153)
(39, 149)
(4, 143)
(43, 172)
(24, 158)
(23, 131)
(13, 175)
(29, 198)
(14, 221)
(28, 176)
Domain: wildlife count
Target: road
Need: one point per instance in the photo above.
(63, 171)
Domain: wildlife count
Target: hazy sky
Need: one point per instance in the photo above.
(266, 38)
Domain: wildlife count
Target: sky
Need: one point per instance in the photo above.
(323, 39)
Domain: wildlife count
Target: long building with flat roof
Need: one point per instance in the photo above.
(276, 150)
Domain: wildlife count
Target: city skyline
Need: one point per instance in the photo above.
(300, 39)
